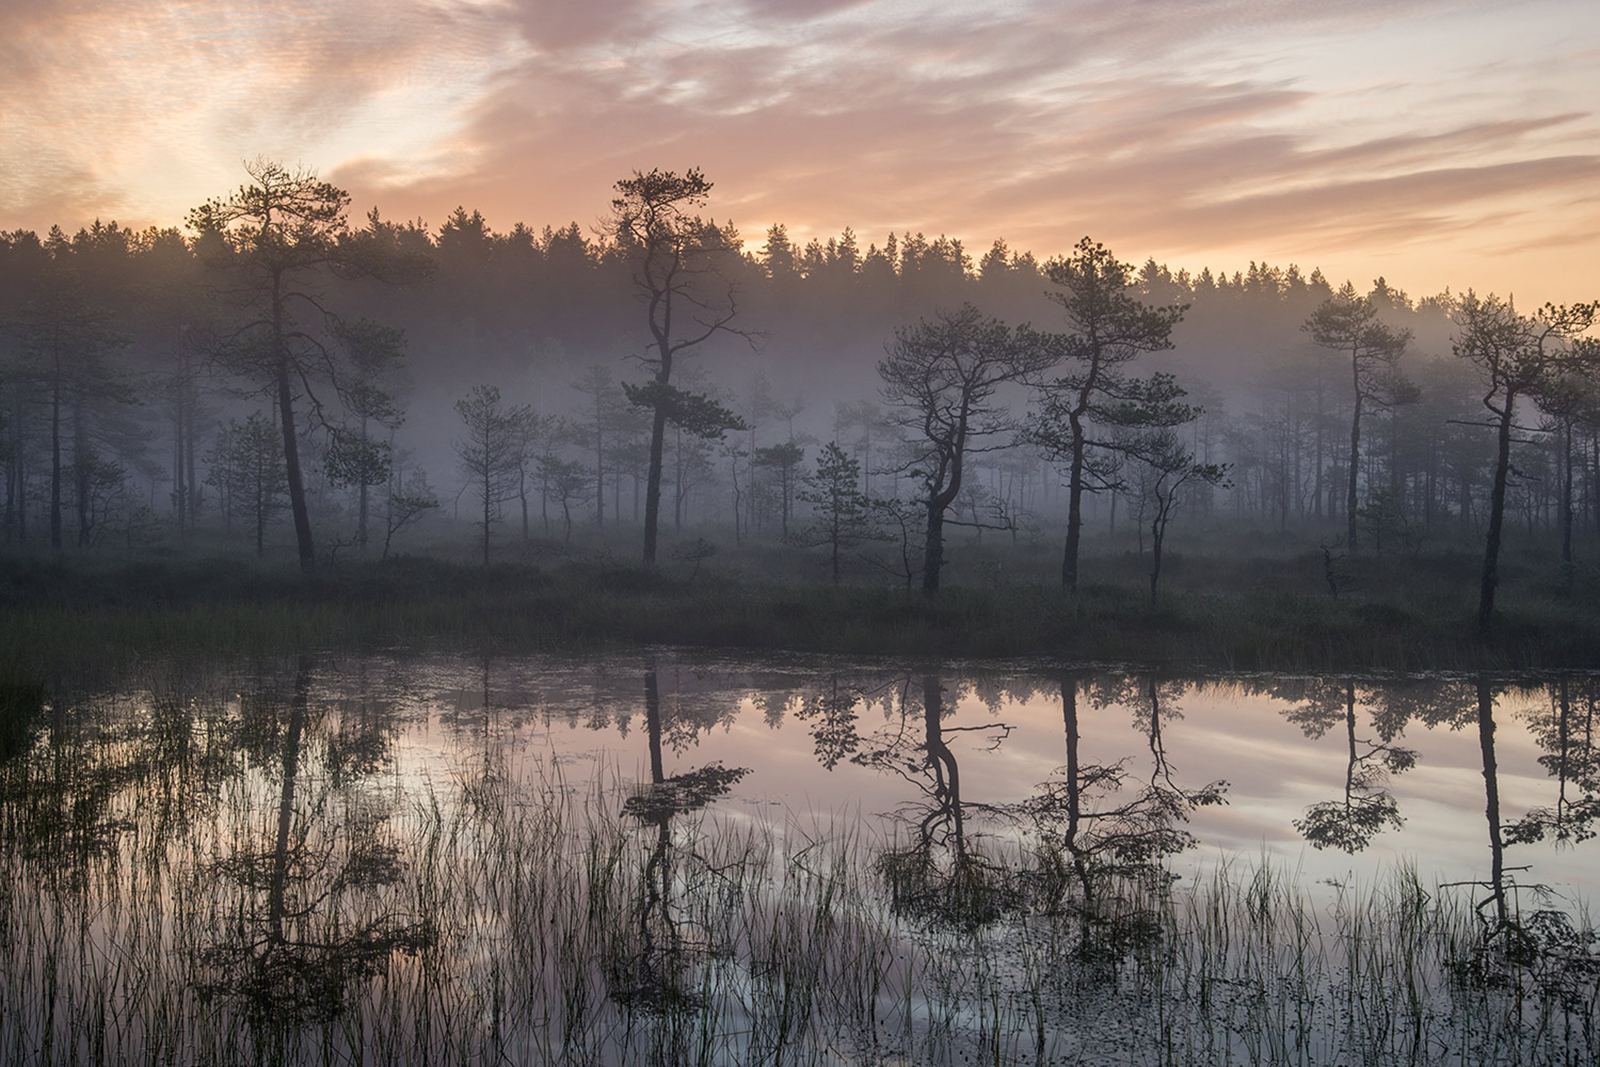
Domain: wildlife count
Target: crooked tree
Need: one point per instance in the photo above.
(1167, 465)
(276, 244)
(941, 377)
(1517, 357)
(677, 260)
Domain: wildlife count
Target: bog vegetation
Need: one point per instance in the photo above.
(759, 420)
(256, 868)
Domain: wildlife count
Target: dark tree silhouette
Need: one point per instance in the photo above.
(358, 455)
(942, 376)
(408, 501)
(1568, 400)
(676, 258)
(1110, 328)
(607, 424)
(843, 514)
(1167, 465)
(783, 458)
(491, 453)
(278, 242)
(67, 347)
(1347, 322)
(247, 470)
(1517, 357)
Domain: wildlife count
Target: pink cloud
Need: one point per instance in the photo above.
(1156, 122)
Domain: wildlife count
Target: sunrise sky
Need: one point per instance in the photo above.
(1436, 143)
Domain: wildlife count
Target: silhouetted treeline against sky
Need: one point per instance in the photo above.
(133, 411)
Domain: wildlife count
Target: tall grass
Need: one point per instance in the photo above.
(506, 915)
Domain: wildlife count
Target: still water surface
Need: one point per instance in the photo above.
(1339, 777)
(273, 793)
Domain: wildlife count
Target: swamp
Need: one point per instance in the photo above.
(665, 855)
(645, 644)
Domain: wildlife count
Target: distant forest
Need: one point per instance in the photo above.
(142, 405)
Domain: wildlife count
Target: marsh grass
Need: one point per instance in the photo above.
(508, 915)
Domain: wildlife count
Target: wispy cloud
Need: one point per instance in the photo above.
(1426, 128)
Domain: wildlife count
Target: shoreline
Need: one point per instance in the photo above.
(76, 609)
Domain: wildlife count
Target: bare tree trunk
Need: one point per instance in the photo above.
(1069, 556)
(652, 490)
(1566, 504)
(1491, 788)
(291, 767)
(55, 460)
(291, 462)
(1355, 459)
(1497, 512)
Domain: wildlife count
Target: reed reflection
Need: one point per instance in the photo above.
(21, 709)
(90, 782)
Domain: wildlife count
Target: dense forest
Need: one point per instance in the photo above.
(272, 372)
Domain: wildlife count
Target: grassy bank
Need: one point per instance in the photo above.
(1258, 613)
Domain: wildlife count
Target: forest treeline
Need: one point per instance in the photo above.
(272, 364)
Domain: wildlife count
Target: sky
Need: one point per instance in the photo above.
(1434, 142)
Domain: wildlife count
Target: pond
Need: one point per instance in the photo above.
(672, 857)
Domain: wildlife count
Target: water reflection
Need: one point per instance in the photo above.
(307, 917)
(1491, 788)
(937, 872)
(296, 814)
(654, 973)
(21, 708)
(1566, 733)
(1367, 805)
(1114, 830)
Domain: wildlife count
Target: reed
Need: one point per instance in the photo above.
(502, 913)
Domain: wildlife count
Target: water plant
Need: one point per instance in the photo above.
(504, 913)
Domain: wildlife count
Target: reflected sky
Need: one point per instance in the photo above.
(587, 717)
(545, 848)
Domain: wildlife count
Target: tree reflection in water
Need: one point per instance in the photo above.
(830, 709)
(310, 915)
(210, 878)
(1103, 849)
(1566, 732)
(938, 874)
(1366, 805)
(654, 974)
